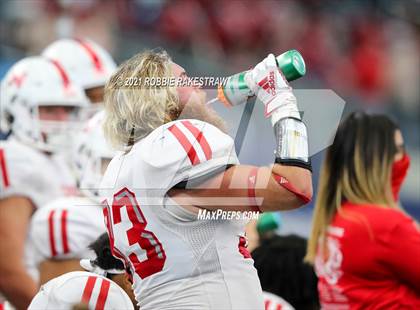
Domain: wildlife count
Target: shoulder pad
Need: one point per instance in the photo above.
(184, 149)
(22, 173)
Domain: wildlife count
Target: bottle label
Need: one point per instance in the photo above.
(235, 91)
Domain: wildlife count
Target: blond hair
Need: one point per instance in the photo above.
(357, 169)
(134, 109)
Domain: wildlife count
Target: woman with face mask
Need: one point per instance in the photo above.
(365, 249)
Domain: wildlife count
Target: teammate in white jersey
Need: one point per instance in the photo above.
(60, 234)
(176, 164)
(42, 106)
(62, 230)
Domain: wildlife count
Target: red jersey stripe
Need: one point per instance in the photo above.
(198, 135)
(92, 54)
(103, 294)
(186, 144)
(64, 232)
(51, 233)
(107, 220)
(3, 169)
(87, 292)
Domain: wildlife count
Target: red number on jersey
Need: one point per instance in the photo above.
(114, 250)
(137, 234)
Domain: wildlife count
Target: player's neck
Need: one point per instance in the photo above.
(202, 113)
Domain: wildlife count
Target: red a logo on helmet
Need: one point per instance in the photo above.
(17, 79)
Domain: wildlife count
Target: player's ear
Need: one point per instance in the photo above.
(128, 281)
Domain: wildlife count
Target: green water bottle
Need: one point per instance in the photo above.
(235, 91)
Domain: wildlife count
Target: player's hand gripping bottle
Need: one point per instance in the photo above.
(237, 89)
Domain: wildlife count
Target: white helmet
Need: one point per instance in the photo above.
(87, 63)
(80, 288)
(91, 156)
(33, 82)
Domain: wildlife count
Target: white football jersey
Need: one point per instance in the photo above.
(65, 228)
(177, 260)
(28, 172)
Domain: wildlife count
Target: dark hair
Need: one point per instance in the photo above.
(357, 168)
(374, 134)
(104, 258)
(280, 266)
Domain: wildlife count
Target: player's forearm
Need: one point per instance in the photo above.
(288, 201)
(17, 286)
(299, 181)
(292, 170)
(15, 282)
(288, 188)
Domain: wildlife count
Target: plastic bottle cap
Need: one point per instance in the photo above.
(292, 65)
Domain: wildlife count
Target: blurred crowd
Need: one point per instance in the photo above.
(367, 50)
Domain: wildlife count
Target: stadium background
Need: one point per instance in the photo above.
(368, 52)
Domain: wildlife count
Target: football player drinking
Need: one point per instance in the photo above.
(178, 160)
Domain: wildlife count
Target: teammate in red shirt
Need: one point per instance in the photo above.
(364, 247)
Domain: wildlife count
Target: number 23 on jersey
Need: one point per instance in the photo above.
(146, 241)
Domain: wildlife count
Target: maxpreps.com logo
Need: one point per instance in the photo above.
(220, 214)
(269, 84)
